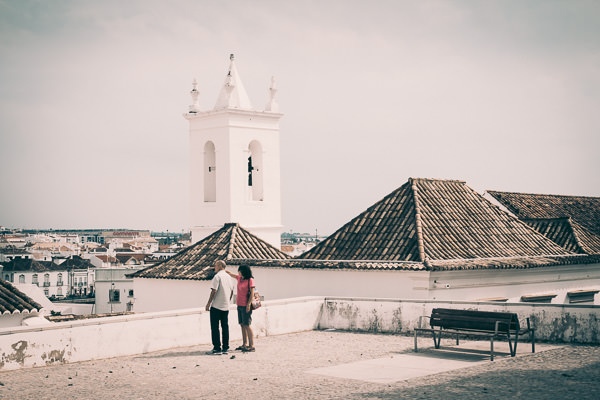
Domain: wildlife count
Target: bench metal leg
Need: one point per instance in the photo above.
(437, 338)
(492, 348)
(457, 339)
(531, 336)
(416, 341)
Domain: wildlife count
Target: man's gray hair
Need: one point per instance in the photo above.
(220, 263)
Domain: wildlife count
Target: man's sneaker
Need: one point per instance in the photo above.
(225, 351)
(214, 352)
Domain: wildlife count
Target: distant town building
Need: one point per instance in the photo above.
(114, 291)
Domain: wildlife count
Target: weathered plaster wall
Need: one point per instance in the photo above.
(553, 322)
(141, 333)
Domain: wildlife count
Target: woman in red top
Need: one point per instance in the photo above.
(245, 292)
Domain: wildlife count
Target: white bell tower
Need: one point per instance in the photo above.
(234, 157)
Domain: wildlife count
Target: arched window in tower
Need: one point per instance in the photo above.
(210, 173)
(255, 171)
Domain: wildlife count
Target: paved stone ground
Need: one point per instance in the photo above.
(278, 370)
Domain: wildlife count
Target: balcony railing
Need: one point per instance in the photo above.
(36, 283)
(60, 283)
(46, 284)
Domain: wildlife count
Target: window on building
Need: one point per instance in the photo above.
(7, 277)
(59, 279)
(114, 296)
(255, 170)
(21, 278)
(210, 173)
(34, 279)
(59, 291)
(46, 279)
(130, 293)
(46, 292)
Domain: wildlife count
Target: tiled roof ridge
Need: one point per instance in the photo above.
(511, 257)
(232, 239)
(543, 194)
(313, 260)
(575, 235)
(181, 253)
(348, 226)
(566, 218)
(418, 222)
(412, 179)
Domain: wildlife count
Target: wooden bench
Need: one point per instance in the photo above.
(488, 324)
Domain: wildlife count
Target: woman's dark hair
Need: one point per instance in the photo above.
(245, 271)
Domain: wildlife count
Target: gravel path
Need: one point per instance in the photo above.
(278, 370)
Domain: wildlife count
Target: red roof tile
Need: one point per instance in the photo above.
(582, 209)
(428, 219)
(13, 300)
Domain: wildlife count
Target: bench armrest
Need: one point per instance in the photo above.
(421, 320)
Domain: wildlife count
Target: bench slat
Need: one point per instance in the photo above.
(470, 319)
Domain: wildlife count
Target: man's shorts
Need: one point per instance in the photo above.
(244, 318)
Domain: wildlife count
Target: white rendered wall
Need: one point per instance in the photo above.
(464, 285)
(514, 283)
(232, 131)
(276, 283)
(279, 283)
(169, 294)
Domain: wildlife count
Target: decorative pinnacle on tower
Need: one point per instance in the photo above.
(233, 94)
(195, 106)
(272, 104)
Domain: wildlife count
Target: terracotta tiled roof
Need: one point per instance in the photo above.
(29, 265)
(13, 300)
(427, 219)
(196, 262)
(582, 209)
(76, 263)
(567, 233)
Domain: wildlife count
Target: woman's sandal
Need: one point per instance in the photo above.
(248, 349)
(242, 348)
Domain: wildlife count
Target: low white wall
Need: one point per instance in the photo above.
(91, 339)
(553, 322)
(152, 295)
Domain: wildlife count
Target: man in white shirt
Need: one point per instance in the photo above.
(221, 293)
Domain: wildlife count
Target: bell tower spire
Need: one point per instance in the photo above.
(234, 160)
(233, 94)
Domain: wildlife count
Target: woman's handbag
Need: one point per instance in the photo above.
(256, 301)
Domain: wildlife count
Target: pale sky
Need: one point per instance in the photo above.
(502, 94)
